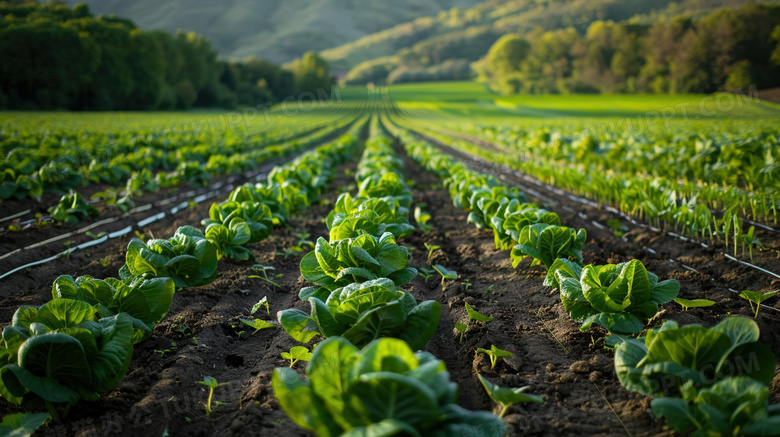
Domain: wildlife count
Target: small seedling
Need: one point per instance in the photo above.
(426, 273)
(264, 270)
(467, 285)
(422, 218)
(696, 303)
(195, 340)
(495, 353)
(508, 396)
(461, 327)
(297, 353)
(211, 383)
(288, 252)
(490, 289)
(67, 243)
(445, 274)
(751, 241)
(262, 303)
(475, 315)
(279, 422)
(756, 297)
(431, 248)
(257, 324)
(161, 352)
(105, 262)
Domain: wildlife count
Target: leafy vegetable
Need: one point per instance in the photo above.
(229, 239)
(60, 353)
(736, 406)
(546, 243)
(617, 297)
(385, 389)
(188, 258)
(146, 302)
(666, 358)
(352, 217)
(355, 260)
(256, 215)
(72, 209)
(507, 396)
(364, 312)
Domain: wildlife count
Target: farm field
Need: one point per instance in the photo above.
(575, 234)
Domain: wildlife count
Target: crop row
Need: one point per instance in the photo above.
(714, 381)
(194, 168)
(739, 168)
(683, 207)
(365, 378)
(79, 344)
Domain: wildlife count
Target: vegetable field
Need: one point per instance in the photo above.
(412, 261)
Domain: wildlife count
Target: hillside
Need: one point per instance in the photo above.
(465, 35)
(276, 30)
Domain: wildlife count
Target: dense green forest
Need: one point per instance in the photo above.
(578, 46)
(55, 57)
(730, 49)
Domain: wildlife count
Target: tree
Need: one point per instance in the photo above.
(502, 64)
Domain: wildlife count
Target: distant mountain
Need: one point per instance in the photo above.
(277, 30)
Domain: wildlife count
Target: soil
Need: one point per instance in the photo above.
(202, 334)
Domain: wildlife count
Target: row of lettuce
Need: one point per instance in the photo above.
(137, 175)
(365, 377)
(80, 343)
(629, 175)
(714, 381)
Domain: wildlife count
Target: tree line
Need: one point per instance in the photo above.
(729, 49)
(57, 57)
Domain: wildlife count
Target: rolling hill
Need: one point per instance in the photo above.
(277, 30)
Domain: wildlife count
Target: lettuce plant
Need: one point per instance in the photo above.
(229, 239)
(546, 243)
(352, 217)
(670, 356)
(363, 312)
(388, 185)
(736, 406)
(146, 301)
(72, 209)
(617, 297)
(354, 260)
(385, 389)
(257, 216)
(188, 258)
(60, 353)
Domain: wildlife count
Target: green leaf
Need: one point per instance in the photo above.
(297, 399)
(298, 325)
(696, 303)
(474, 315)
(508, 396)
(444, 272)
(22, 424)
